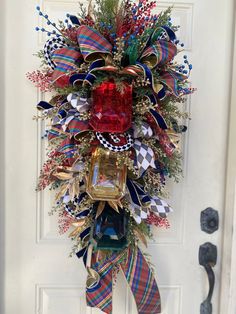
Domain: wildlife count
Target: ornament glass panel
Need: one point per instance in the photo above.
(106, 181)
(110, 230)
(111, 108)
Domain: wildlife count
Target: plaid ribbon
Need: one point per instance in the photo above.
(142, 283)
(100, 296)
(171, 78)
(91, 43)
(139, 277)
(65, 60)
(76, 127)
(67, 147)
(160, 53)
(144, 156)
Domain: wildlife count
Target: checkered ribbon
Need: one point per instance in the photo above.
(143, 130)
(159, 207)
(139, 277)
(78, 102)
(114, 148)
(145, 157)
(92, 44)
(50, 46)
(141, 203)
(139, 213)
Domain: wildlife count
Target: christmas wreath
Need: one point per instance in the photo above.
(114, 131)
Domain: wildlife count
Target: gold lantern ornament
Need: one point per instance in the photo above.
(106, 180)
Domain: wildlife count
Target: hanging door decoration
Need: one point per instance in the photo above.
(113, 128)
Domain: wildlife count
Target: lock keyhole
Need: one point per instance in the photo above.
(209, 220)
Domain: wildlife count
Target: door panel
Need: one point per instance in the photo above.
(40, 278)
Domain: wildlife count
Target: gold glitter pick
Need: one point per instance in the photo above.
(141, 236)
(62, 191)
(63, 175)
(74, 188)
(78, 226)
(108, 59)
(90, 8)
(100, 208)
(157, 87)
(119, 204)
(114, 205)
(175, 138)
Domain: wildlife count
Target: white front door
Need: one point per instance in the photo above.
(39, 276)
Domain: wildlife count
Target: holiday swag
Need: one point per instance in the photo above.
(113, 131)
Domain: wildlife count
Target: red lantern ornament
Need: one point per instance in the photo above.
(111, 108)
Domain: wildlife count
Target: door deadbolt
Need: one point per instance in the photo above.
(209, 220)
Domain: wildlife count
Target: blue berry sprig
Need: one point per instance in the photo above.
(56, 32)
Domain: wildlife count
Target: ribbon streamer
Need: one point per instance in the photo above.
(139, 277)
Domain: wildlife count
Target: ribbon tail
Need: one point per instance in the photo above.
(142, 283)
(100, 296)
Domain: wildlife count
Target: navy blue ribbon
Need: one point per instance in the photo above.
(84, 233)
(83, 253)
(62, 114)
(89, 77)
(137, 194)
(74, 20)
(170, 33)
(43, 105)
(158, 119)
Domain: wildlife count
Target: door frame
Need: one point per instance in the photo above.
(2, 153)
(228, 274)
